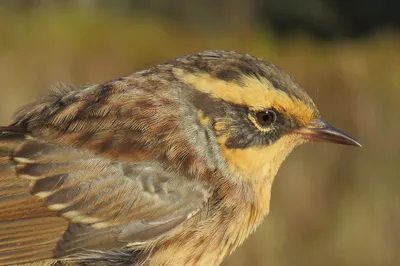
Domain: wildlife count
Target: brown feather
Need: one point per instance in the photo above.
(59, 201)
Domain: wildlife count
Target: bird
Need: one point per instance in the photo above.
(170, 165)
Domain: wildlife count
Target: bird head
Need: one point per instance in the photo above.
(257, 112)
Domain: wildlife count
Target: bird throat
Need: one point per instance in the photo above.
(257, 165)
(255, 169)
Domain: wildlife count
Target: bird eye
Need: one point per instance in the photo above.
(266, 118)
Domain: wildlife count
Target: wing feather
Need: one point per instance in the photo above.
(86, 201)
(77, 175)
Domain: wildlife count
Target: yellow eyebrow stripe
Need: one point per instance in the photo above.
(257, 94)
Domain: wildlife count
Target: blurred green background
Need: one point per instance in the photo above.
(331, 205)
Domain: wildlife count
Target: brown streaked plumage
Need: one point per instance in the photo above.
(172, 165)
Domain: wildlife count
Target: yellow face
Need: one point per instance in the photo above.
(273, 137)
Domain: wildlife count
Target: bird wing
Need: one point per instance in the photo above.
(87, 186)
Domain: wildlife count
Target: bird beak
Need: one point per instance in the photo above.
(319, 130)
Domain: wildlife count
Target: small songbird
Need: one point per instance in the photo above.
(172, 165)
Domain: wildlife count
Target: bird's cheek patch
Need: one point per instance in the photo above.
(256, 163)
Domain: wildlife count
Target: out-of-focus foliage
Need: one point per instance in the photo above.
(331, 205)
(327, 19)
